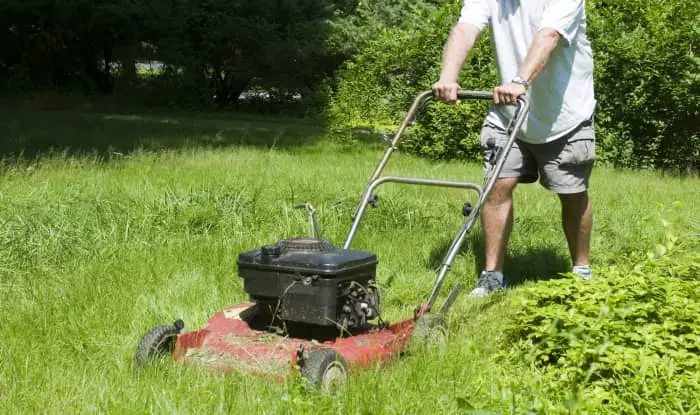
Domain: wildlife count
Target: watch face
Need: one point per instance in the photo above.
(518, 80)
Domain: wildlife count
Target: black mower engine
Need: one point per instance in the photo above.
(310, 281)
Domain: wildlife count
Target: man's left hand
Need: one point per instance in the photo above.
(508, 94)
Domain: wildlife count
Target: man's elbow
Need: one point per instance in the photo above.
(466, 30)
(549, 37)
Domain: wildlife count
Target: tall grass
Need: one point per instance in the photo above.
(135, 221)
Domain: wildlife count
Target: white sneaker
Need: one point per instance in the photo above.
(583, 271)
(489, 282)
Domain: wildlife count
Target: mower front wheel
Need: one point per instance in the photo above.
(325, 369)
(156, 343)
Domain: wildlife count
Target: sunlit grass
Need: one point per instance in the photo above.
(96, 250)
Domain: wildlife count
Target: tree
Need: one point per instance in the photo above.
(227, 46)
(56, 43)
(216, 48)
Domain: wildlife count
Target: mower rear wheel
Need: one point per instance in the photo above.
(156, 343)
(429, 331)
(325, 369)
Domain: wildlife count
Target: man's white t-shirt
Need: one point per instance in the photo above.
(561, 97)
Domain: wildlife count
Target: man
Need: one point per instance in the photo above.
(542, 52)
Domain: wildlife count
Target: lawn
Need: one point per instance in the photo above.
(111, 224)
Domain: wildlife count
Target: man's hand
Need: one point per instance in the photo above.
(459, 43)
(508, 94)
(446, 91)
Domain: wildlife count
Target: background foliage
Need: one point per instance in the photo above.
(647, 83)
(208, 51)
(370, 58)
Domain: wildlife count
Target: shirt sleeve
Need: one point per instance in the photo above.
(476, 12)
(564, 16)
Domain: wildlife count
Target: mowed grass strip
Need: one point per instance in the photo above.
(100, 243)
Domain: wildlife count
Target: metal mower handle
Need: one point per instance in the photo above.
(376, 180)
(427, 96)
(418, 104)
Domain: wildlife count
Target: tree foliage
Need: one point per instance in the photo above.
(647, 81)
(213, 49)
(59, 43)
(276, 44)
(360, 22)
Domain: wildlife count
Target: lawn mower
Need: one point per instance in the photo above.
(315, 309)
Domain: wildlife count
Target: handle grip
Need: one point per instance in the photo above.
(466, 94)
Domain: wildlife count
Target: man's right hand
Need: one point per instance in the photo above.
(446, 91)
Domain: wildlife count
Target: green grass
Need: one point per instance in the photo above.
(111, 224)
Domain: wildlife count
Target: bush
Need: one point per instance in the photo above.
(378, 86)
(627, 340)
(647, 82)
(647, 85)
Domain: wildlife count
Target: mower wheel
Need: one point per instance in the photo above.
(429, 331)
(324, 368)
(156, 343)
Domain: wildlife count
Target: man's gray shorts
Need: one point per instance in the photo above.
(564, 166)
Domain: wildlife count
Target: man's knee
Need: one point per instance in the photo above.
(502, 190)
(574, 201)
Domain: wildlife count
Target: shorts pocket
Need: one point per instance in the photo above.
(491, 136)
(581, 151)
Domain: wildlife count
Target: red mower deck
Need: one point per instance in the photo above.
(229, 343)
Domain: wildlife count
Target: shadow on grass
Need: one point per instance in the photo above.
(535, 264)
(30, 134)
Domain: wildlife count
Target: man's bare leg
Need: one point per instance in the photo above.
(577, 220)
(497, 222)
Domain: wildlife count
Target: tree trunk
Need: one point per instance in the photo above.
(128, 77)
(106, 86)
(229, 88)
(97, 71)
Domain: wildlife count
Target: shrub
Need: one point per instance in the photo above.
(378, 86)
(380, 82)
(647, 82)
(628, 340)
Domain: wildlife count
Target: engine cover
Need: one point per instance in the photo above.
(311, 281)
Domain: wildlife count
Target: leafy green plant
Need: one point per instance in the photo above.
(629, 339)
(361, 22)
(377, 87)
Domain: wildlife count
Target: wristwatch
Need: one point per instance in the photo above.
(521, 81)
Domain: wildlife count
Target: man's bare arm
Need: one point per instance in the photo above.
(539, 53)
(546, 40)
(457, 48)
